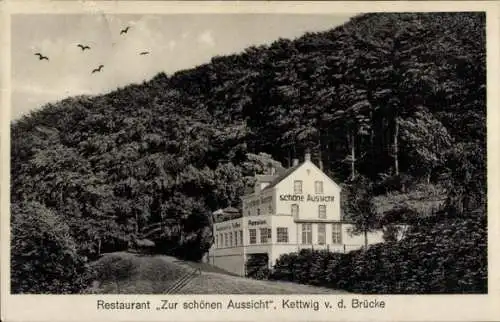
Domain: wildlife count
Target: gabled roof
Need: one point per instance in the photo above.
(282, 177)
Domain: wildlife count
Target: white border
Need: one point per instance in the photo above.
(399, 308)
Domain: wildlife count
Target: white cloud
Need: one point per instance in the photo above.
(207, 38)
(172, 44)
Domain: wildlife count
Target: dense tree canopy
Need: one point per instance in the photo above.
(396, 99)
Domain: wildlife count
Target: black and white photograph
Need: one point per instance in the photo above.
(248, 153)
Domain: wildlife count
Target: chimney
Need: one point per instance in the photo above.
(295, 162)
(307, 156)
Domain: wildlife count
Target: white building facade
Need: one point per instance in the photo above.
(288, 211)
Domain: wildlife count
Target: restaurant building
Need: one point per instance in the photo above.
(288, 210)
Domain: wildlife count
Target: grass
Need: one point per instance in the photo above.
(127, 273)
(214, 283)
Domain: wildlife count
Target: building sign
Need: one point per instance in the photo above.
(226, 227)
(257, 202)
(256, 222)
(302, 198)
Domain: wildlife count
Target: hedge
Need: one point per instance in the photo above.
(449, 257)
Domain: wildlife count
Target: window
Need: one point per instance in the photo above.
(322, 211)
(295, 210)
(258, 211)
(321, 234)
(236, 238)
(241, 237)
(282, 234)
(318, 187)
(270, 234)
(263, 235)
(270, 209)
(216, 240)
(253, 236)
(306, 233)
(249, 213)
(297, 187)
(221, 240)
(231, 239)
(337, 234)
(226, 243)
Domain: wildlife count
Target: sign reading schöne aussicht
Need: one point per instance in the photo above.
(302, 198)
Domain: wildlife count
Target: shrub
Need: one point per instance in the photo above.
(449, 257)
(44, 258)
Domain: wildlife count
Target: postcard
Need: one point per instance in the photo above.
(242, 161)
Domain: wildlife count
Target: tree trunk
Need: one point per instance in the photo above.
(353, 155)
(320, 155)
(365, 232)
(396, 160)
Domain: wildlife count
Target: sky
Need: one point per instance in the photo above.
(174, 42)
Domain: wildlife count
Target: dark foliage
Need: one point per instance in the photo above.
(451, 257)
(257, 266)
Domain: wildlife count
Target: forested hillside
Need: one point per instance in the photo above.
(392, 105)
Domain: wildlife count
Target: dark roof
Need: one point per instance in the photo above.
(230, 210)
(282, 176)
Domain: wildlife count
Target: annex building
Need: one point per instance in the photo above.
(288, 210)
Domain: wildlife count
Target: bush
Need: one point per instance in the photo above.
(449, 257)
(44, 258)
(257, 266)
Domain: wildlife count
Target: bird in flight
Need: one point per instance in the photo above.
(41, 57)
(83, 47)
(144, 53)
(124, 31)
(98, 69)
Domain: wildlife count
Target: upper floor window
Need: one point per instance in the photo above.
(295, 210)
(258, 211)
(322, 211)
(270, 209)
(253, 236)
(297, 186)
(263, 235)
(318, 187)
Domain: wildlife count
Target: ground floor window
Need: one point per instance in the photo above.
(306, 233)
(241, 237)
(337, 234)
(231, 239)
(282, 234)
(321, 234)
(217, 240)
(226, 242)
(252, 233)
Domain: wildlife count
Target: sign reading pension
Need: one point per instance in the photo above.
(226, 227)
(303, 198)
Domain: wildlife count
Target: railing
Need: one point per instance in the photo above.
(183, 281)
